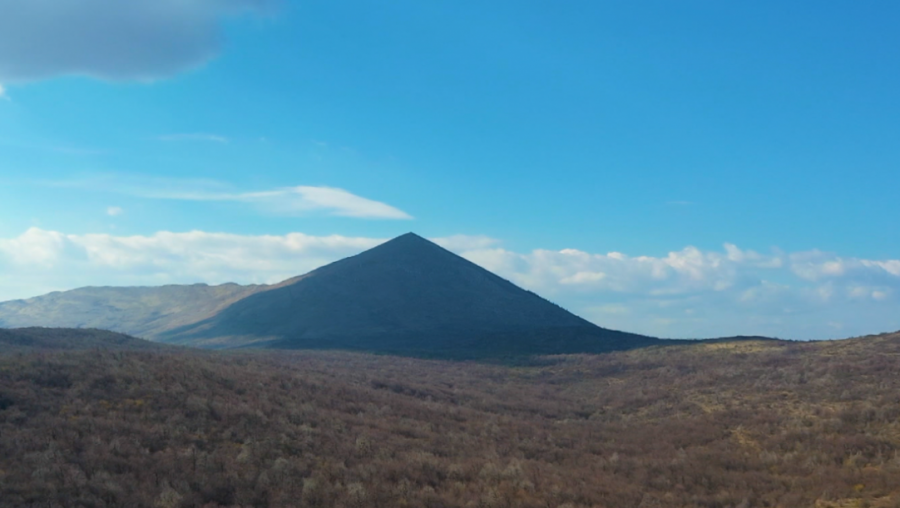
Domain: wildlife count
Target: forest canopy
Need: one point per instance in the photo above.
(729, 424)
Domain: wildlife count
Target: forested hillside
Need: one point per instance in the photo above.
(23, 340)
(731, 424)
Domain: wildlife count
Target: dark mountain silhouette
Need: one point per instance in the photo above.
(406, 296)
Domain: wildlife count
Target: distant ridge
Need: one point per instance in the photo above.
(69, 339)
(407, 296)
(140, 311)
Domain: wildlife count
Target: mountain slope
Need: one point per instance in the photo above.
(405, 296)
(139, 311)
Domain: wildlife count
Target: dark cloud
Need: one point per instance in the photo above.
(111, 39)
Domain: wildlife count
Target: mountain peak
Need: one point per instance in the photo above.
(409, 236)
(410, 296)
(409, 249)
(406, 296)
(408, 240)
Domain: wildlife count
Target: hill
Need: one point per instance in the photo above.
(61, 339)
(406, 296)
(140, 311)
(730, 424)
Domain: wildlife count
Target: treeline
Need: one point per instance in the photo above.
(27, 340)
(742, 424)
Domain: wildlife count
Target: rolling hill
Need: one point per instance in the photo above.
(21, 340)
(139, 311)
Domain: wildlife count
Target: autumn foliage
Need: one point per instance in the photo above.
(734, 424)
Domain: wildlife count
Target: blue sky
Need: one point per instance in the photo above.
(518, 132)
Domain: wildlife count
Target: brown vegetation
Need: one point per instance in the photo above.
(734, 424)
(60, 339)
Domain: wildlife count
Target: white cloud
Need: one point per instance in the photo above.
(35, 247)
(3, 95)
(686, 293)
(111, 39)
(463, 243)
(583, 278)
(289, 201)
(694, 293)
(303, 199)
(114, 211)
(822, 266)
(682, 272)
(612, 309)
(39, 260)
(196, 136)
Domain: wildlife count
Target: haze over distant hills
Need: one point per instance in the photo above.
(139, 311)
(406, 296)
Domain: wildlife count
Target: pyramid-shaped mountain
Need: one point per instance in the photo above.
(407, 296)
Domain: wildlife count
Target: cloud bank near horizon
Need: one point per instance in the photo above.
(116, 40)
(687, 293)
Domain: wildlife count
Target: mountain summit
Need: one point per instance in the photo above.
(407, 296)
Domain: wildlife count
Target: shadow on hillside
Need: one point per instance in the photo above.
(529, 347)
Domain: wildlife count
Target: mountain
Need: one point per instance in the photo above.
(140, 311)
(408, 296)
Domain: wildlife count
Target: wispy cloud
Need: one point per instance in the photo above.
(305, 199)
(114, 211)
(686, 293)
(288, 201)
(3, 95)
(197, 136)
